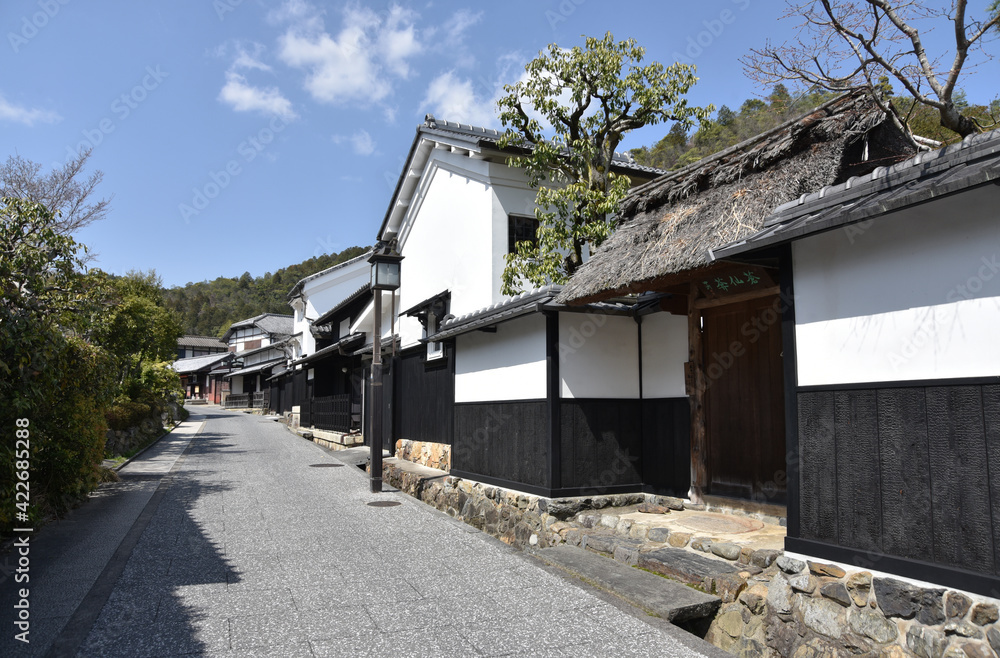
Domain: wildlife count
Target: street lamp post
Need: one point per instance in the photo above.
(385, 276)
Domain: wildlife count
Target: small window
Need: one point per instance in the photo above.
(521, 229)
(435, 350)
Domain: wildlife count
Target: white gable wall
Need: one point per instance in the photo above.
(506, 365)
(324, 292)
(447, 239)
(914, 295)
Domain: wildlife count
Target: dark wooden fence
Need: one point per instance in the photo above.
(237, 401)
(332, 413)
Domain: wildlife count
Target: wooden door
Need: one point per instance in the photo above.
(744, 402)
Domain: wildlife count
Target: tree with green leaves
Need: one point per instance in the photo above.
(852, 44)
(568, 117)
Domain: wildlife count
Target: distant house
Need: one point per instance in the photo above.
(260, 344)
(325, 379)
(189, 346)
(892, 365)
(200, 375)
(712, 389)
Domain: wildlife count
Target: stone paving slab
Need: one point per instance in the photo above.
(666, 599)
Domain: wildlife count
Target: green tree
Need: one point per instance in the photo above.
(57, 384)
(133, 324)
(590, 98)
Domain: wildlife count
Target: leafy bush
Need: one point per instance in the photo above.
(126, 413)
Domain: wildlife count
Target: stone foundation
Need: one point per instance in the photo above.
(810, 609)
(433, 455)
(122, 442)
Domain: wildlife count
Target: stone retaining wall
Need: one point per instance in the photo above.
(432, 455)
(809, 609)
(122, 442)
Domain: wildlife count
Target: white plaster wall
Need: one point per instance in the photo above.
(598, 356)
(324, 292)
(236, 385)
(511, 196)
(446, 239)
(507, 365)
(911, 296)
(664, 352)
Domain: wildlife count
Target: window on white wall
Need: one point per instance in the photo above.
(435, 350)
(521, 229)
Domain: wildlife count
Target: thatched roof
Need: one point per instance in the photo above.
(668, 225)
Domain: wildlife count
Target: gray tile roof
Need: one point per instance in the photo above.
(924, 177)
(272, 323)
(331, 350)
(526, 302)
(354, 296)
(255, 368)
(201, 341)
(197, 363)
(298, 286)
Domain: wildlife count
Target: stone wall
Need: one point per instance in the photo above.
(518, 519)
(122, 442)
(432, 455)
(808, 609)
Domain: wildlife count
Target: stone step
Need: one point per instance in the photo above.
(657, 596)
(686, 566)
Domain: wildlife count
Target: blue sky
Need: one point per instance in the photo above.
(242, 135)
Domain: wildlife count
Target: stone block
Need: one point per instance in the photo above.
(873, 625)
(624, 525)
(931, 612)
(754, 598)
(626, 555)
(658, 534)
(790, 565)
(823, 616)
(893, 651)
(651, 508)
(726, 550)
(926, 642)
(859, 586)
(669, 502)
(702, 544)
(993, 636)
(609, 520)
(745, 553)
(679, 539)
(962, 629)
(779, 596)
(837, 592)
(956, 605)
(638, 531)
(983, 614)
(588, 519)
(572, 536)
(727, 587)
(731, 623)
(830, 570)
(896, 598)
(764, 557)
(976, 650)
(803, 582)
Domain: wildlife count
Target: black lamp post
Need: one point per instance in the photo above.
(385, 276)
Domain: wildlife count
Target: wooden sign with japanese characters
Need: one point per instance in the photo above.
(735, 280)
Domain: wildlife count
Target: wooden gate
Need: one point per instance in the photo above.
(744, 401)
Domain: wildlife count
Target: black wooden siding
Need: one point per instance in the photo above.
(909, 472)
(666, 446)
(504, 441)
(601, 443)
(424, 396)
(606, 445)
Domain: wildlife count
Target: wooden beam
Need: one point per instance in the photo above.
(699, 438)
(739, 297)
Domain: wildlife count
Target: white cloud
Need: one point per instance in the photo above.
(361, 142)
(29, 117)
(463, 19)
(243, 97)
(453, 98)
(361, 63)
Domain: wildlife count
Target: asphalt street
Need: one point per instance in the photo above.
(234, 537)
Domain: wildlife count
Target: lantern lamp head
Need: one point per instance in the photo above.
(385, 262)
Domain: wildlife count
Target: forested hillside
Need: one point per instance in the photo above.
(207, 308)
(758, 115)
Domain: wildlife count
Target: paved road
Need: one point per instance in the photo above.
(245, 548)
